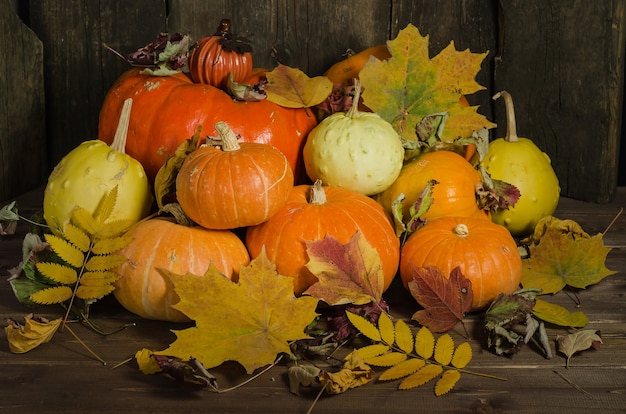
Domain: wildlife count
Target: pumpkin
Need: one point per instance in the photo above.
(163, 244)
(520, 162)
(216, 57)
(347, 69)
(485, 252)
(314, 212)
(454, 194)
(355, 150)
(90, 171)
(168, 109)
(235, 185)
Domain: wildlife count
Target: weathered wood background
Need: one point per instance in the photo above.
(562, 60)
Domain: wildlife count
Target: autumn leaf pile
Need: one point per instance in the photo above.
(261, 323)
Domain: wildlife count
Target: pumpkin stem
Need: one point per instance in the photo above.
(354, 109)
(228, 137)
(318, 195)
(461, 230)
(119, 141)
(223, 28)
(511, 127)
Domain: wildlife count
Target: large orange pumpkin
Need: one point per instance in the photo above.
(216, 57)
(163, 244)
(313, 212)
(485, 252)
(234, 185)
(168, 109)
(453, 195)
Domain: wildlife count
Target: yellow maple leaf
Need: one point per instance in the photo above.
(410, 86)
(250, 321)
(292, 88)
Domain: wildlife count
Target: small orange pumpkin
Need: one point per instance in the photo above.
(313, 212)
(164, 244)
(485, 252)
(217, 56)
(453, 195)
(237, 185)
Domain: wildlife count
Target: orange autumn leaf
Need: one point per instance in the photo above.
(410, 86)
(251, 321)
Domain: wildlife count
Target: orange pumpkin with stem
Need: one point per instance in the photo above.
(163, 244)
(235, 185)
(485, 252)
(313, 212)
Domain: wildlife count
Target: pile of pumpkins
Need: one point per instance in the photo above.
(278, 178)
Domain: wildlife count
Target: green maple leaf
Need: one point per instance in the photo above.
(410, 85)
(250, 321)
(560, 260)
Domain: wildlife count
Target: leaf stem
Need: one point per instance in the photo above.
(84, 344)
(619, 213)
(253, 377)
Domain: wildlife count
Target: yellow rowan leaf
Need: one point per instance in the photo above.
(77, 237)
(83, 219)
(370, 351)
(110, 245)
(99, 278)
(462, 355)
(147, 364)
(444, 349)
(250, 321)
(53, 295)
(93, 292)
(292, 88)
(104, 262)
(421, 377)
(105, 207)
(424, 342)
(34, 332)
(364, 326)
(66, 251)
(402, 369)
(386, 360)
(385, 327)
(114, 228)
(447, 381)
(58, 272)
(404, 337)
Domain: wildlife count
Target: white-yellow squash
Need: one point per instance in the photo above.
(92, 169)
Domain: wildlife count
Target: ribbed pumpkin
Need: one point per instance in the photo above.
(217, 56)
(168, 109)
(164, 244)
(313, 212)
(234, 185)
(453, 195)
(485, 252)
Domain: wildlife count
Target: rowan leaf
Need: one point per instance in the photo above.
(347, 273)
(444, 349)
(292, 88)
(410, 85)
(578, 341)
(447, 381)
(462, 355)
(77, 237)
(386, 360)
(421, 377)
(370, 351)
(34, 332)
(560, 260)
(52, 295)
(558, 315)
(424, 343)
(110, 245)
(386, 328)
(65, 250)
(445, 300)
(58, 273)
(250, 321)
(106, 206)
(404, 337)
(364, 326)
(94, 292)
(99, 278)
(403, 369)
(104, 262)
(83, 219)
(113, 229)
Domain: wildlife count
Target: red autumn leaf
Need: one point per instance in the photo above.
(445, 300)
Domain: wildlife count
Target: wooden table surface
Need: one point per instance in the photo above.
(61, 376)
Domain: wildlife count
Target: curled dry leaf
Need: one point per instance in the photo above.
(578, 341)
(34, 332)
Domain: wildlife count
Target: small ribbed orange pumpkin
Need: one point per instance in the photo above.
(237, 185)
(314, 212)
(485, 252)
(453, 195)
(163, 244)
(214, 58)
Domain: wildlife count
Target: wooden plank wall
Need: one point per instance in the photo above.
(562, 60)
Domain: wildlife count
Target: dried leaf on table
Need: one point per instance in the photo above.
(354, 373)
(578, 341)
(34, 332)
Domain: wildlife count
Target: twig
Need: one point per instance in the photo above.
(85, 345)
(126, 361)
(573, 384)
(252, 377)
(619, 213)
(317, 397)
